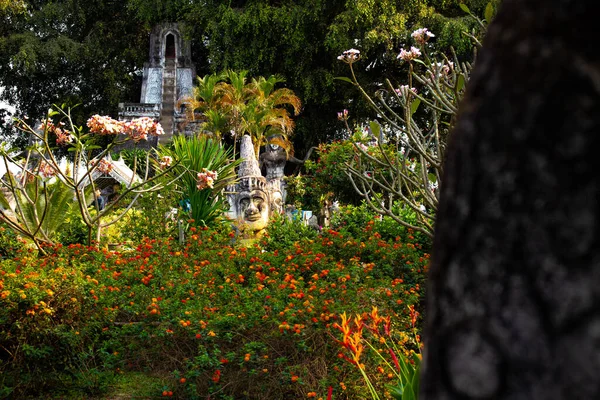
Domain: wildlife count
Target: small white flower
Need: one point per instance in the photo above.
(349, 56)
(409, 55)
(404, 91)
(422, 35)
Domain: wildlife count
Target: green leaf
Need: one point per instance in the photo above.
(489, 12)
(415, 384)
(93, 147)
(375, 128)
(4, 201)
(414, 106)
(432, 178)
(345, 79)
(460, 83)
(60, 199)
(396, 391)
(464, 8)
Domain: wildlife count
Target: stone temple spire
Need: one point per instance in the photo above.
(168, 78)
(249, 166)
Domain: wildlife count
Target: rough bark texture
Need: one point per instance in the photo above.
(514, 296)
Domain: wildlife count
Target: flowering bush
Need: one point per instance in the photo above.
(9, 242)
(35, 199)
(408, 145)
(207, 317)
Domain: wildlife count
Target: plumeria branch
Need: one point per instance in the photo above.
(404, 159)
(46, 169)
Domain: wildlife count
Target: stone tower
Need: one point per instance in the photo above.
(168, 76)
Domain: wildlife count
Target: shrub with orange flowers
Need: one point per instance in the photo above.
(208, 316)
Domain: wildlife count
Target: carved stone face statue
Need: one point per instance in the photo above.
(277, 201)
(253, 207)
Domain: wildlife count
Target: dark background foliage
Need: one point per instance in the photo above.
(91, 52)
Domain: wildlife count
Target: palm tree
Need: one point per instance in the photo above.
(205, 100)
(229, 102)
(267, 118)
(233, 98)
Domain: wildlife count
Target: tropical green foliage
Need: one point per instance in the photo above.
(91, 53)
(40, 207)
(197, 155)
(229, 102)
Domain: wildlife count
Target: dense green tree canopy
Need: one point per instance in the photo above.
(92, 51)
(84, 52)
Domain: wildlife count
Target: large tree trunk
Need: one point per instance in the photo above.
(514, 292)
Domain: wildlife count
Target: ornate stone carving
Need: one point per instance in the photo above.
(252, 199)
(185, 82)
(154, 86)
(273, 160)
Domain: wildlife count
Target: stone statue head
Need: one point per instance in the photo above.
(276, 195)
(277, 201)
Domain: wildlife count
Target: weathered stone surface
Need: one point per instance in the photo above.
(513, 309)
(251, 199)
(273, 161)
(248, 167)
(168, 77)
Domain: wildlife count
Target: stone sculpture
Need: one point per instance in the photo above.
(251, 200)
(273, 160)
(255, 198)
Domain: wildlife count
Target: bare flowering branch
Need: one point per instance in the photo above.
(36, 192)
(137, 129)
(397, 169)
